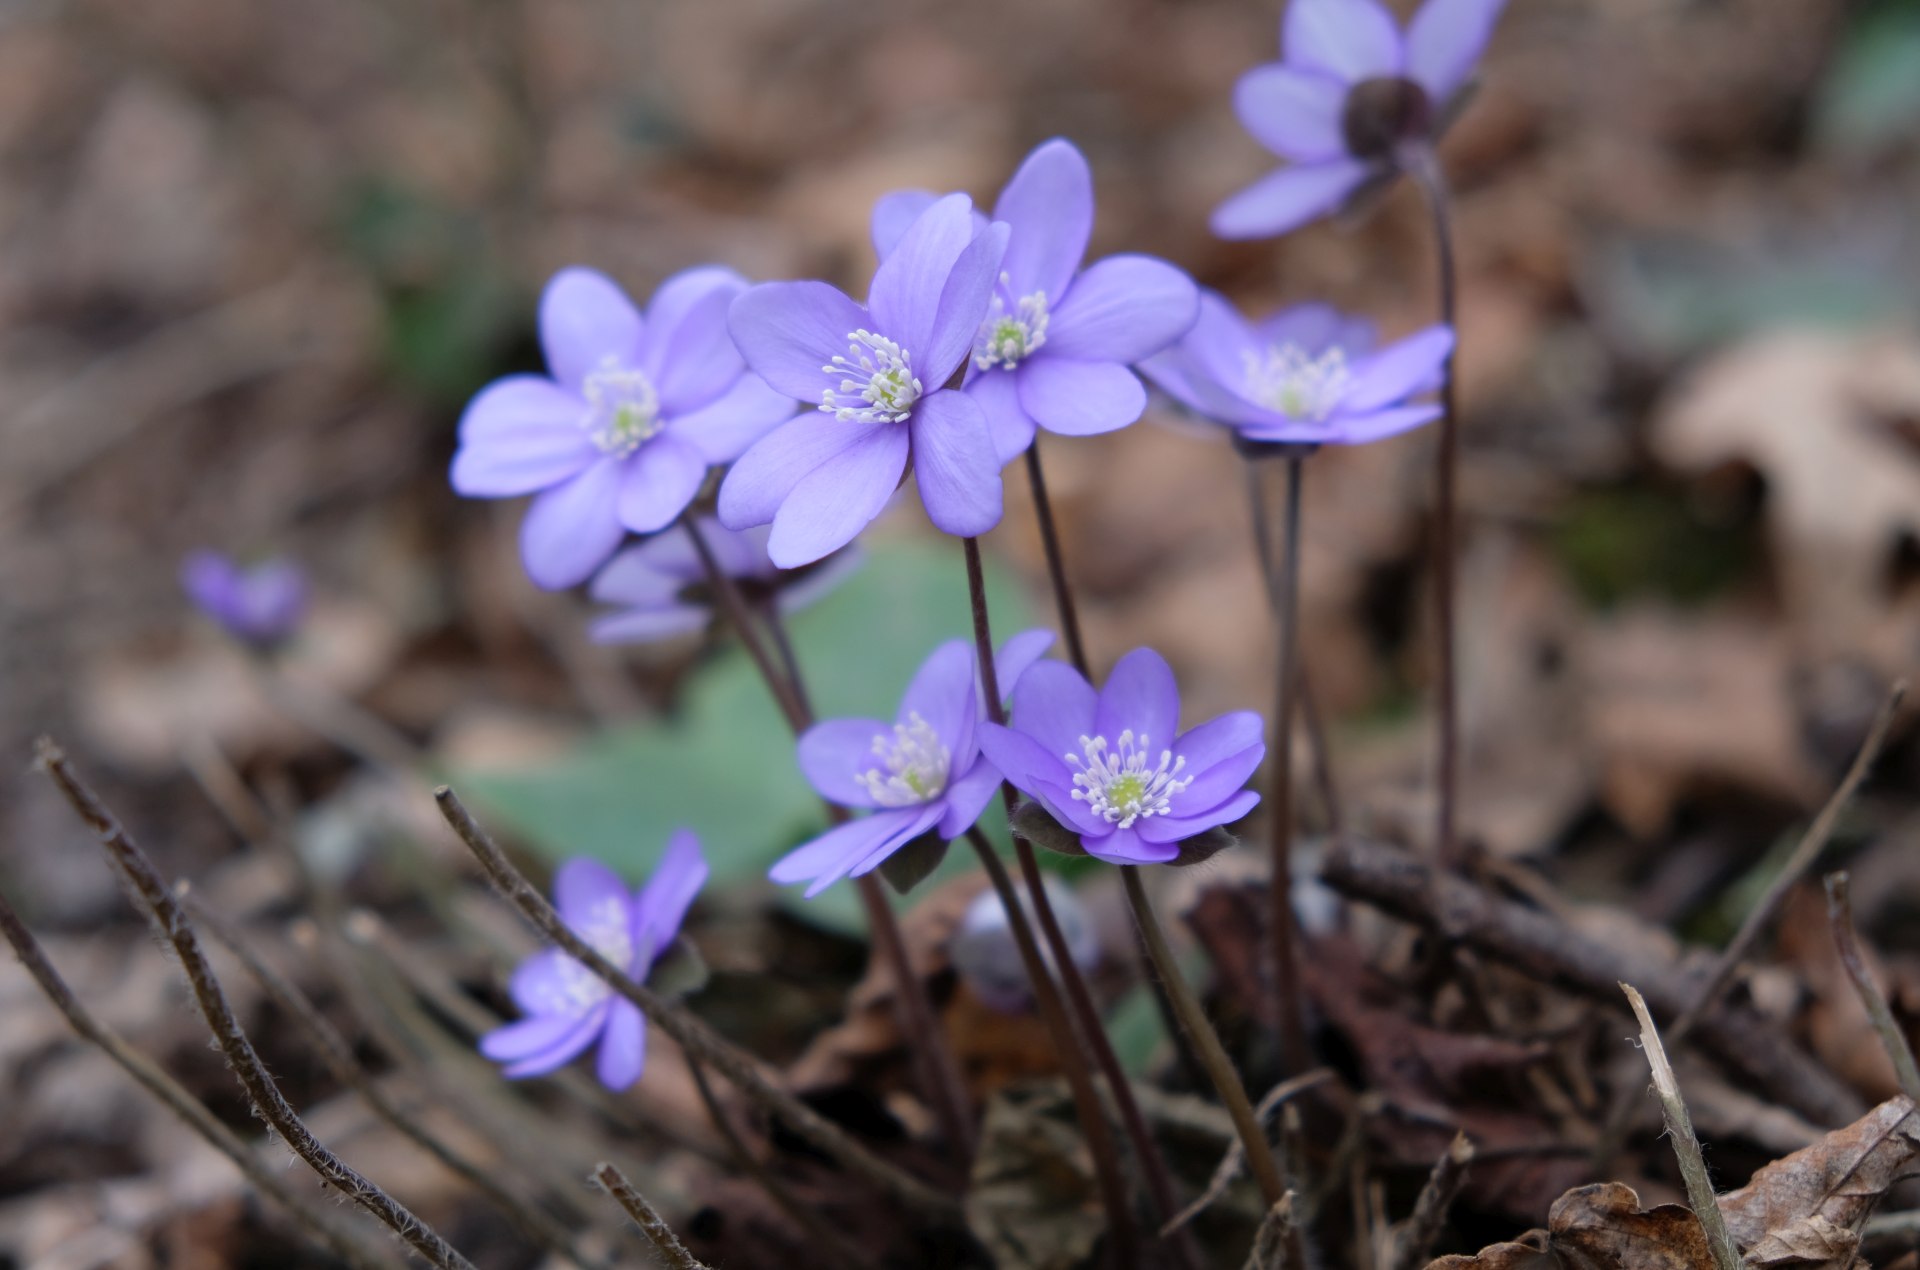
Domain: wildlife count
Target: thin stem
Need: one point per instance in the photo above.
(685, 1028)
(741, 617)
(789, 660)
(1056, 562)
(158, 900)
(1847, 941)
(1226, 1082)
(1086, 1102)
(1412, 1249)
(1286, 1002)
(349, 1245)
(647, 1218)
(1424, 167)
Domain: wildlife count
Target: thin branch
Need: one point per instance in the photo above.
(268, 1102)
(1276, 1245)
(1847, 941)
(685, 1028)
(1236, 1157)
(1443, 1185)
(350, 1246)
(1686, 1147)
(651, 1223)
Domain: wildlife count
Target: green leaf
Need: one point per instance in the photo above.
(1871, 96)
(723, 765)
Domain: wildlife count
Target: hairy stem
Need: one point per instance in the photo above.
(647, 1218)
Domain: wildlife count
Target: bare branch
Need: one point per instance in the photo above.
(1847, 941)
(1430, 1210)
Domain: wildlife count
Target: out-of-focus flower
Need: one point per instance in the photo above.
(923, 772)
(988, 960)
(567, 1006)
(879, 373)
(660, 589)
(1347, 100)
(260, 605)
(620, 434)
(1306, 376)
(1111, 767)
(1055, 346)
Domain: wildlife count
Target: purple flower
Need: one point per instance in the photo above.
(1348, 97)
(878, 373)
(567, 1006)
(259, 605)
(660, 586)
(621, 435)
(922, 773)
(1091, 760)
(1306, 375)
(1054, 348)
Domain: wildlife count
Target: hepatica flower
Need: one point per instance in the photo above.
(877, 374)
(659, 588)
(1112, 766)
(1055, 346)
(619, 434)
(921, 772)
(567, 1006)
(260, 605)
(1348, 97)
(1306, 375)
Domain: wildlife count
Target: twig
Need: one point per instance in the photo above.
(1847, 941)
(337, 1052)
(651, 1223)
(685, 1028)
(1540, 946)
(1275, 1244)
(350, 1246)
(268, 1102)
(1686, 1147)
(1236, 1157)
(1449, 1174)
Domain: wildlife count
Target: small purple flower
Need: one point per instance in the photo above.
(567, 1006)
(660, 586)
(1057, 341)
(923, 772)
(260, 605)
(1348, 97)
(879, 373)
(1307, 375)
(621, 435)
(1091, 760)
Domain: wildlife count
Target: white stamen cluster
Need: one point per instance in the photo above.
(913, 767)
(1119, 787)
(1006, 339)
(571, 988)
(623, 410)
(877, 382)
(1299, 385)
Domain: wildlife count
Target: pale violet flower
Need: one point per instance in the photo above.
(260, 605)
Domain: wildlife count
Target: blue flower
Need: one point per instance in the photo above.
(259, 605)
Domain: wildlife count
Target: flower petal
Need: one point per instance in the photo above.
(659, 482)
(905, 295)
(893, 213)
(538, 984)
(1049, 205)
(557, 1037)
(817, 582)
(1125, 846)
(833, 753)
(1055, 706)
(519, 435)
(1399, 370)
(581, 888)
(1206, 370)
(1122, 309)
(571, 529)
(586, 318)
(1287, 199)
(1351, 39)
(1080, 399)
(649, 626)
(790, 331)
(928, 816)
(826, 859)
(1026, 763)
(1380, 424)
(1140, 694)
(954, 463)
(942, 693)
(1317, 327)
(663, 903)
(767, 473)
(693, 360)
(1171, 829)
(1296, 113)
(635, 578)
(1445, 39)
(1016, 655)
(723, 428)
(1218, 781)
(997, 393)
(838, 499)
(623, 1047)
(1218, 740)
(967, 797)
(963, 307)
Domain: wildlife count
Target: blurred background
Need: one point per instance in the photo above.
(256, 254)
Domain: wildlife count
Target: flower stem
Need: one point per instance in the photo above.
(1423, 166)
(1056, 562)
(1266, 1171)
(646, 1217)
(939, 1072)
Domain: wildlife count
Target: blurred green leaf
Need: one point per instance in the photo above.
(724, 765)
(1623, 541)
(1870, 99)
